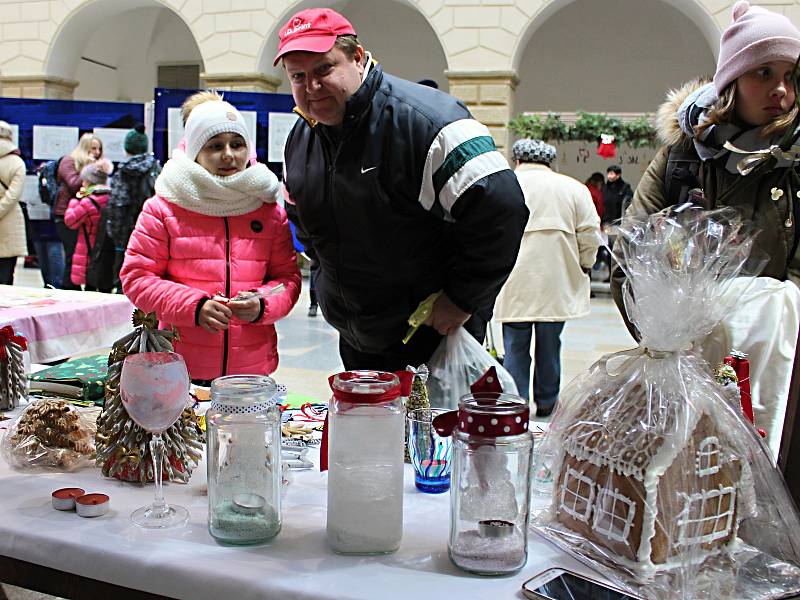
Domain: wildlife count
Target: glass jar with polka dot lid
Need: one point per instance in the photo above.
(490, 491)
(243, 458)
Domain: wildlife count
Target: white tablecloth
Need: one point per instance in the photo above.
(187, 563)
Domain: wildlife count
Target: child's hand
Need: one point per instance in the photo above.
(214, 316)
(246, 309)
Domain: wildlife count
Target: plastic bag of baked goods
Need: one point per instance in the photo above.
(51, 434)
(658, 481)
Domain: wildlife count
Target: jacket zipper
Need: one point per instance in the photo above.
(227, 294)
(331, 168)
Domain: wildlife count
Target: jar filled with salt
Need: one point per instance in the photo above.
(490, 491)
(243, 459)
(365, 434)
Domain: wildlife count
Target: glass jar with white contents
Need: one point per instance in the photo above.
(490, 489)
(365, 462)
(244, 460)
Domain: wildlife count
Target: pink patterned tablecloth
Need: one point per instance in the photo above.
(63, 323)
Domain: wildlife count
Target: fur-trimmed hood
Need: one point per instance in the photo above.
(667, 118)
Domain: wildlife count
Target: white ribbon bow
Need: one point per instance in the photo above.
(754, 158)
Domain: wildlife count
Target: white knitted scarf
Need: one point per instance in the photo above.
(190, 186)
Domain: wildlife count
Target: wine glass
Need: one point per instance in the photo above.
(154, 387)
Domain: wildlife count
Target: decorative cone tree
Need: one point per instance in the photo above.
(417, 398)
(123, 448)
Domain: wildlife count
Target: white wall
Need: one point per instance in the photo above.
(614, 55)
(135, 42)
(398, 36)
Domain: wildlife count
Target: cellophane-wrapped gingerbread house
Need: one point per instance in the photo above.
(658, 480)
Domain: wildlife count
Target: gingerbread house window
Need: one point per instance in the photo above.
(707, 459)
(613, 514)
(577, 495)
(706, 516)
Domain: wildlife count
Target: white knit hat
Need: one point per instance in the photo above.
(212, 118)
(755, 36)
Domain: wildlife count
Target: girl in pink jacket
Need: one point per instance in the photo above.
(212, 252)
(83, 214)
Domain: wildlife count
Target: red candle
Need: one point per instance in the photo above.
(92, 505)
(64, 499)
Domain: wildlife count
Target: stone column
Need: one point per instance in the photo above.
(240, 82)
(489, 95)
(37, 86)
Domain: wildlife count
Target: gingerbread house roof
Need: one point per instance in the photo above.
(634, 431)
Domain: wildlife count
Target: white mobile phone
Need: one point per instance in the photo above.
(560, 584)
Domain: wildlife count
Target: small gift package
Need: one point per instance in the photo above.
(659, 482)
(51, 434)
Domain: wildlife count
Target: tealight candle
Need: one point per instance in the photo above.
(495, 528)
(92, 505)
(248, 504)
(64, 499)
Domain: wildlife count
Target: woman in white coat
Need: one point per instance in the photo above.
(12, 224)
(550, 280)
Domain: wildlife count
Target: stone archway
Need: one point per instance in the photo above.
(110, 51)
(397, 32)
(608, 67)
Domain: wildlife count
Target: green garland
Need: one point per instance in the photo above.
(587, 128)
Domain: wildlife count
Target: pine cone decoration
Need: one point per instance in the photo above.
(417, 398)
(123, 448)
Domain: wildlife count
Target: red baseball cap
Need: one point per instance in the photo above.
(312, 30)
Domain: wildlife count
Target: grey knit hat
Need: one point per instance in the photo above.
(528, 150)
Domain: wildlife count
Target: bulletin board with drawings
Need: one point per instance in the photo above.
(265, 114)
(49, 129)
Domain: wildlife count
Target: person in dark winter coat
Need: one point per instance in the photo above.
(398, 192)
(133, 183)
(617, 195)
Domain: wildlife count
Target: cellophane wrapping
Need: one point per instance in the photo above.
(51, 434)
(658, 480)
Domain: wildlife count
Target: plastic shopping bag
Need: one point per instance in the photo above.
(458, 362)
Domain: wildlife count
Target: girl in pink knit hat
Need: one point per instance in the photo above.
(708, 127)
(723, 136)
(212, 253)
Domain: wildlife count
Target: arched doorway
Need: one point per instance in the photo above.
(397, 34)
(612, 56)
(115, 50)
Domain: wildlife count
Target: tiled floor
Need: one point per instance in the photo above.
(308, 346)
(309, 353)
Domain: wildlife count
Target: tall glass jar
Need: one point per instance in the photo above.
(365, 461)
(490, 492)
(244, 460)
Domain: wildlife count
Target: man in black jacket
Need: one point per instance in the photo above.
(617, 194)
(396, 193)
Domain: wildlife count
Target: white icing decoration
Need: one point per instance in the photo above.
(704, 461)
(575, 495)
(715, 515)
(606, 522)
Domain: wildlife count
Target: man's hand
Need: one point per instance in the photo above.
(446, 317)
(214, 316)
(246, 310)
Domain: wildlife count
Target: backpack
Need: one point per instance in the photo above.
(682, 174)
(100, 261)
(48, 181)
